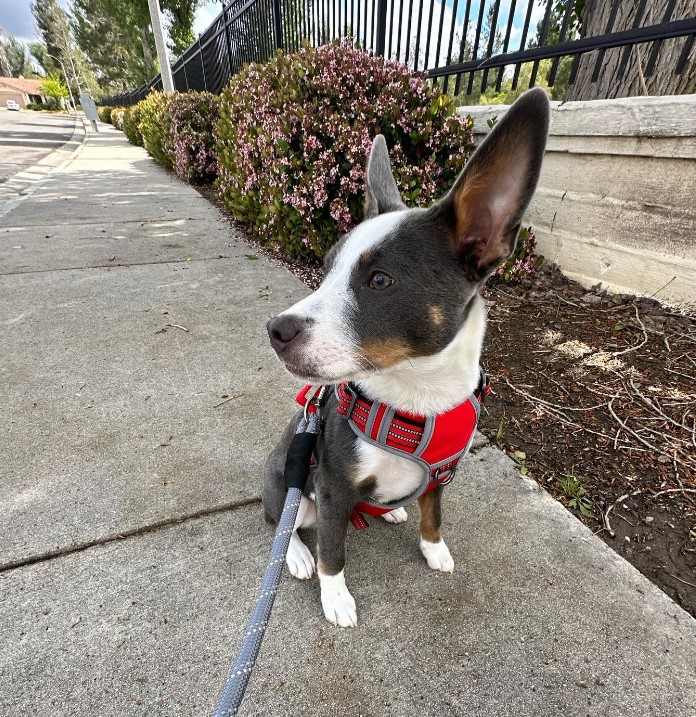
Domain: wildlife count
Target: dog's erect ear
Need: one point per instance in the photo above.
(491, 194)
(381, 193)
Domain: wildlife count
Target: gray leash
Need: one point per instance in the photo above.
(296, 473)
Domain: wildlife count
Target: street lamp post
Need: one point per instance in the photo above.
(65, 74)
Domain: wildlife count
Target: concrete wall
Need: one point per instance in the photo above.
(617, 196)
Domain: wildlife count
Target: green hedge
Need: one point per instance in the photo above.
(131, 124)
(154, 125)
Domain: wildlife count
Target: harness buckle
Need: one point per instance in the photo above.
(448, 474)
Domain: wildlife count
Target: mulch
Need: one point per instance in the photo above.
(594, 397)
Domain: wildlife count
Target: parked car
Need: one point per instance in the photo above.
(12, 105)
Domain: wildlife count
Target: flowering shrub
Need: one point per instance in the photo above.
(189, 139)
(154, 125)
(117, 117)
(522, 262)
(294, 135)
(131, 124)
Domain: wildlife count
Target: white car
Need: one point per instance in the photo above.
(12, 105)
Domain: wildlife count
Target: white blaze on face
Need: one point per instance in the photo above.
(331, 346)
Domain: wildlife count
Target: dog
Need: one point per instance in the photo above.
(398, 323)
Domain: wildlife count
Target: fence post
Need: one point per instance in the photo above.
(278, 23)
(226, 30)
(200, 53)
(381, 27)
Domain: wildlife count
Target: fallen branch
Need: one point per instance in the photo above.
(675, 490)
(636, 435)
(637, 346)
(530, 397)
(176, 326)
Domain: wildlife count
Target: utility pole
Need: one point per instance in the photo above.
(165, 68)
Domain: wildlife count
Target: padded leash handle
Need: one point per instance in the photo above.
(296, 474)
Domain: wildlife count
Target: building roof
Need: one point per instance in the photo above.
(22, 84)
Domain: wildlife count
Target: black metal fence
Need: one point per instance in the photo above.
(471, 45)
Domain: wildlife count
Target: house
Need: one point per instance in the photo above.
(21, 90)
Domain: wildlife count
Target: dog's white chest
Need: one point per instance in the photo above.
(396, 477)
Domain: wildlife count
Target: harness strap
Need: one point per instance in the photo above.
(436, 443)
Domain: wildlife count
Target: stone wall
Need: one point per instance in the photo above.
(616, 202)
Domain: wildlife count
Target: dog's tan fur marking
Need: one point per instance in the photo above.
(429, 523)
(436, 315)
(367, 485)
(321, 568)
(385, 353)
(367, 256)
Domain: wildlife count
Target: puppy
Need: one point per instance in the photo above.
(395, 333)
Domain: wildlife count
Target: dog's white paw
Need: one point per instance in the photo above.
(299, 559)
(437, 555)
(398, 515)
(338, 603)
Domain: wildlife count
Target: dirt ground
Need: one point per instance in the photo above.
(594, 397)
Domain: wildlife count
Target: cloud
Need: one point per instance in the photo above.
(16, 19)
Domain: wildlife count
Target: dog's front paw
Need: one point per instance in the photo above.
(437, 555)
(398, 515)
(299, 559)
(338, 603)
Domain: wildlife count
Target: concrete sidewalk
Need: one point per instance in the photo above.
(132, 539)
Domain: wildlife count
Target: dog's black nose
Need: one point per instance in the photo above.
(284, 329)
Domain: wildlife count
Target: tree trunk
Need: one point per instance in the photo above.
(150, 67)
(634, 80)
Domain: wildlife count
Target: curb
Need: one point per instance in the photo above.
(25, 183)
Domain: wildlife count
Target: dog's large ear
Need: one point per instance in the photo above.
(486, 203)
(381, 193)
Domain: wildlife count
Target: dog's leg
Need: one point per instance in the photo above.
(299, 558)
(398, 515)
(332, 525)
(432, 545)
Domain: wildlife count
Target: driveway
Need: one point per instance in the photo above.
(26, 137)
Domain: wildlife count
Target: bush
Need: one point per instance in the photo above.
(104, 114)
(154, 124)
(294, 135)
(33, 106)
(117, 117)
(522, 262)
(189, 140)
(131, 124)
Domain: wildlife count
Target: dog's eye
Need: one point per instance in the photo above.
(379, 280)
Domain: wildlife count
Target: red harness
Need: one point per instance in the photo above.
(436, 443)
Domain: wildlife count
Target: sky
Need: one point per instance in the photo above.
(16, 19)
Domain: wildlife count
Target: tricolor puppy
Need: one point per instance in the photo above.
(395, 332)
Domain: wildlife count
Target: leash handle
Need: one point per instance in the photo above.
(296, 473)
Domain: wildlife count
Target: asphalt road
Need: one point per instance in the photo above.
(26, 137)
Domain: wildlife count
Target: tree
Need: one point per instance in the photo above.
(17, 58)
(181, 14)
(52, 87)
(40, 53)
(5, 70)
(115, 50)
(54, 29)
(633, 80)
